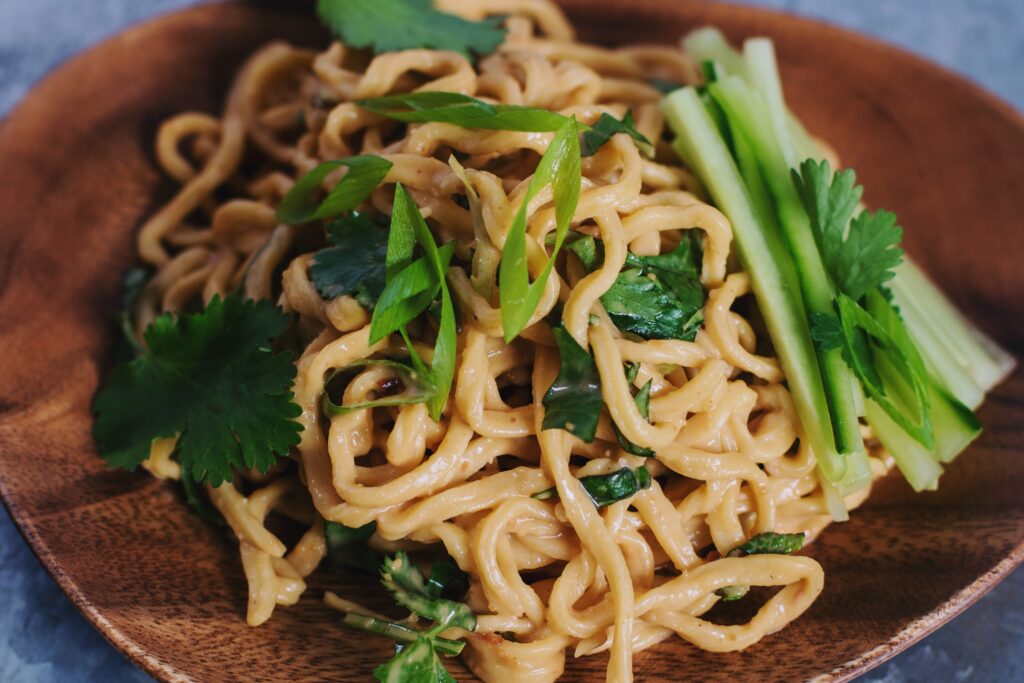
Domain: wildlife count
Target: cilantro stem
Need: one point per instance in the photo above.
(398, 632)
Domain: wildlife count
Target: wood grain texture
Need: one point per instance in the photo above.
(77, 178)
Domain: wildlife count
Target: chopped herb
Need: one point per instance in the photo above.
(573, 402)
(654, 297)
(212, 378)
(643, 404)
(768, 543)
(560, 168)
(364, 174)
(355, 264)
(391, 25)
(607, 126)
(347, 548)
(605, 489)
(463, 110)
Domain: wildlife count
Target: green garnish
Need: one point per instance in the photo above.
(768, 543)
(463, 110)
(211, 378)
(607, 126)
(560, 168)
(643, 404)
(411, 287)
(573, 402)
(364, 174)
(347, 548)
(654, 297)
(605, 489)
(862, 258)
(418, 660)
(390, 25)
(355, 263)
(415, 388)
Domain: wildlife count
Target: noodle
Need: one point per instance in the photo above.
(552, 575)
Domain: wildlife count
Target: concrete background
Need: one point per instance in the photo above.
(44, 639)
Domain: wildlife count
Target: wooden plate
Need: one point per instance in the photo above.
(77, 178)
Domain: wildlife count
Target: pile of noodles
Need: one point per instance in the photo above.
(551, 576)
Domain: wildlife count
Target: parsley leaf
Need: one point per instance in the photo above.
(607, 126)
(463, 110)
(827, 331)
(573, 402)
(390, 25)
(863, 257)
(364, 174)
(211, 378)
(355, 264)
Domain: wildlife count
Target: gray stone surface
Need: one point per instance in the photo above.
(44, 639)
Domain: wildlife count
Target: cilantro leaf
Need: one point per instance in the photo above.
(605, 489)
(463, 110)
(654, 297)
(416, 663)
(607, 126)
(767, 543)
(573, 402)
(770, 543)
(390, 25)
(355, 264)
(643, 404)
(364, 174)
(881, 354)
(642, 305)
(826, 331)
(404, 581)
(211, 378)
(862, 258)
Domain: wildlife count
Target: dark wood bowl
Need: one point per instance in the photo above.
(77, 178)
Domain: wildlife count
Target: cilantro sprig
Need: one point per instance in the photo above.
(864, 256)
(212, 379)
(389, 25)
(417, 660)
